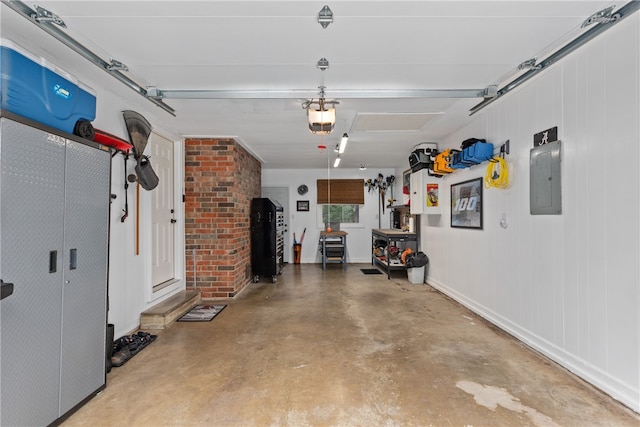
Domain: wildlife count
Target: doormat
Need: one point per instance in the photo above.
(370, 271)
(202, 313)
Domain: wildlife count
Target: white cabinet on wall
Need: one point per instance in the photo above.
(425, 193)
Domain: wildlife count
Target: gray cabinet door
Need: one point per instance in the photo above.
(31, 218)
(84, 311)
(54, 202)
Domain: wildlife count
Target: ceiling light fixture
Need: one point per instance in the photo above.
(337, 162)
(321, 119)
(363, 168)
(343, 143)
(325, 16)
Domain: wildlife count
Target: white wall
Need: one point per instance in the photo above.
(358, 239)
(568, 285)
(129, 274)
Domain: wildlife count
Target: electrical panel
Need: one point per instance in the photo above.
(545, 183)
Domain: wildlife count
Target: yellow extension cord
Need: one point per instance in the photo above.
(496, 178)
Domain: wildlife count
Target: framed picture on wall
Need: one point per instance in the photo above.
(406, 187)
(302, 206)
(466, 204)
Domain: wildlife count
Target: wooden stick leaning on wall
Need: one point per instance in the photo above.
(137, 218)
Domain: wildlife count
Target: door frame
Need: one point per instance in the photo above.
(178, 283)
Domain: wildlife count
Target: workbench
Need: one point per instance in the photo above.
(333, 247)
(400, 239)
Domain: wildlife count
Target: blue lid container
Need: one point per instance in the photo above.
(478, 152)
(32, 87)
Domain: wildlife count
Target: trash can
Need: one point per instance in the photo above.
(416, 275)
(416, 266)
(297, 251)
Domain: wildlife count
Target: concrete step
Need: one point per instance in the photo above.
(162, 314)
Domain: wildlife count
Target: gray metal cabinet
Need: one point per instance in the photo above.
(54, 205)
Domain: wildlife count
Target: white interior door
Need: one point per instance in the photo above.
(281, 194)
(160, 150)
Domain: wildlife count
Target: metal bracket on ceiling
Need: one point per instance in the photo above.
(602, 17)
(325, 16)
(43, 15)
(490, 91)
(154, 93)
(529, 64)
(321, 102)
(323, 64)
(116, 65)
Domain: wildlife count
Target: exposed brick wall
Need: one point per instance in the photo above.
(221, 178)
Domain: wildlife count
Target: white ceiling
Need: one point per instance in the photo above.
(267, 46)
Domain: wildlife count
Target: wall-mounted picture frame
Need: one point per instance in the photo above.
(466, 204)
(302, 206)
(406, 187)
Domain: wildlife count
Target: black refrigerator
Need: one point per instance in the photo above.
(267, 238)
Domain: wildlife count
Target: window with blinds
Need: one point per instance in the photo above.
(342, 191)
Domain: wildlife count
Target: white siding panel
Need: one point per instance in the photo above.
(549, 256)
(583, 214)
(521, 191)
(622, 141)
(572, 283)
(569, 285)
(594, 188)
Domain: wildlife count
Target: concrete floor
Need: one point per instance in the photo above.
(340, 348)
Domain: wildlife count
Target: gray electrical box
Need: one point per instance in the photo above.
(545, 196)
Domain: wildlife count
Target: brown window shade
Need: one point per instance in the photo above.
(343, 191)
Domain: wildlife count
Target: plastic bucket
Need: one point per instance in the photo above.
(416, 275)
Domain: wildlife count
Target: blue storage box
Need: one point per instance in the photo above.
(456, 160)
(34, 88)
(478, 152)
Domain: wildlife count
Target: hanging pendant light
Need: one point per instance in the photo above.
(321, 121)
(323, 118)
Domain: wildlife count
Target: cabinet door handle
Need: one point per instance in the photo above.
(73, 259)
(53, 261)
(6, 289)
